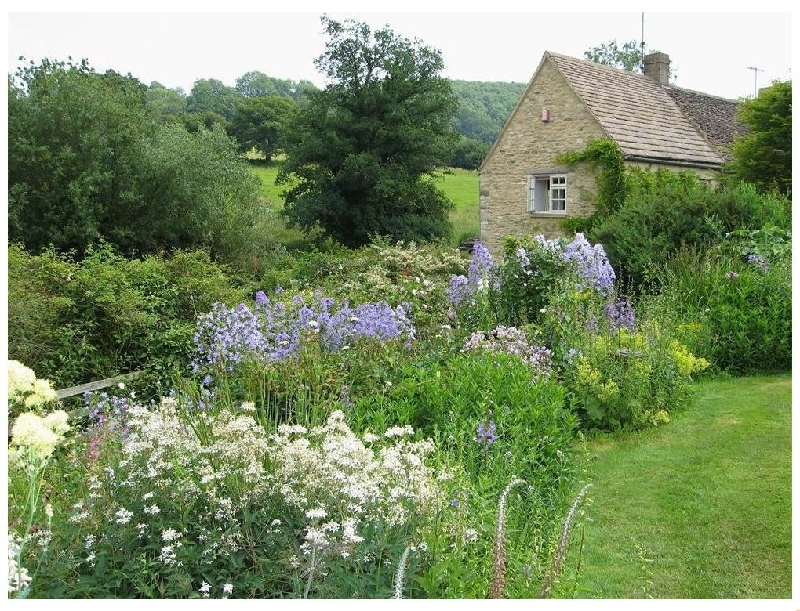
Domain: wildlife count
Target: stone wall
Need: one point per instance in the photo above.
(527, 143)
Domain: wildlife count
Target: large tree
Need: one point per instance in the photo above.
(73, 138)
(213, 95)
(363, 151)
(764, 155)
(87, 160)
(262, 122)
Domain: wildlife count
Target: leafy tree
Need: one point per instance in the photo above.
(213, 95)
(362, 152)
(627, 57)
(73, 143)
(257, 84)
(484, 107)
(261, 122)
(764, 155)
(169, 104)
(87, 162)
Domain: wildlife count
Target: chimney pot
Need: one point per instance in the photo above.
(656, 66)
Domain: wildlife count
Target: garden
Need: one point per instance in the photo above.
(397, 421)
(317, 394)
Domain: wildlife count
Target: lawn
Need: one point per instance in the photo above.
(697, 508)
(460, 187)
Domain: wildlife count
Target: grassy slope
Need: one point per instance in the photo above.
(460, 186)
(698, 508)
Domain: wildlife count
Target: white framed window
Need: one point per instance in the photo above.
(547, 193)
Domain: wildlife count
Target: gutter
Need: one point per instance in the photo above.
(685, 164)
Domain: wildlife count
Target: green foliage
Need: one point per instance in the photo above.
(213, 95)
(666, 211)
(362, 148)
(764, 155)
(523, 294)
(627, 57)
(208, 119)
(87, 161)
(77, 322)
(74, 141)
(261, 122)
(206, 197)
(484, 108)
(738, 300)
(469, 153)
(453, 401)
(612, 188)
(255, 84)
(169, 104)
(629, 379)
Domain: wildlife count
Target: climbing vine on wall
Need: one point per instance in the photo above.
(611, 184)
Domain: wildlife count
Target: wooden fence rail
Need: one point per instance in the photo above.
(98, 385)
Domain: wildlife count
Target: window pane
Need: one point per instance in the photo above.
(541, 204)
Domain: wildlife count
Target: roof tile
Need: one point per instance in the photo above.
(649, 120)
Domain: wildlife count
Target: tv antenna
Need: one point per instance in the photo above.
(755, 70)
(641, 44)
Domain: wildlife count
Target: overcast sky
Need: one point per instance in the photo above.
(710, 52)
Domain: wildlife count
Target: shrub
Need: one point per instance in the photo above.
(74, 322)
(739, 306)
(498, 417)
(565, 292)
(666, 211)
(629, 379)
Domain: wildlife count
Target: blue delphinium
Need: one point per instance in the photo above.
(480, 275)
(620, 314)
(275, 331)
(486, 434)
(594, 269)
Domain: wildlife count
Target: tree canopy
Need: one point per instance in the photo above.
(89, 160)
(362, 152)
(261, 123)
(763, 156)
(627, 57)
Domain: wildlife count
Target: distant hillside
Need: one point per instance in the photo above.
(483, 107)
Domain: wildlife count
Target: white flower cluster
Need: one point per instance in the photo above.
(18, 578)
(329, 471)
(225, 465)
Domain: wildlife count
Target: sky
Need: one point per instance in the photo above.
(157, 41)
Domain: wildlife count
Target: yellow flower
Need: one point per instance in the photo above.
(685, 361)
(35, 438)
(20, 378)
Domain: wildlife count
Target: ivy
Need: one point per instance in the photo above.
(612, 187)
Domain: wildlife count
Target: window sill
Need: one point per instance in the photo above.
(559, 213)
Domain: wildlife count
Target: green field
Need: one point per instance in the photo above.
(700, 507)
(460, 186)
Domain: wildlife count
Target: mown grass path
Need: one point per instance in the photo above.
(698, 508)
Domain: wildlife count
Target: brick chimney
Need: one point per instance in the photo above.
(656, 66)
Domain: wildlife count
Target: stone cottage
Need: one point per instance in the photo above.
(570, 102)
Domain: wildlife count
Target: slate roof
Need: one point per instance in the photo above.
(650, 121)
